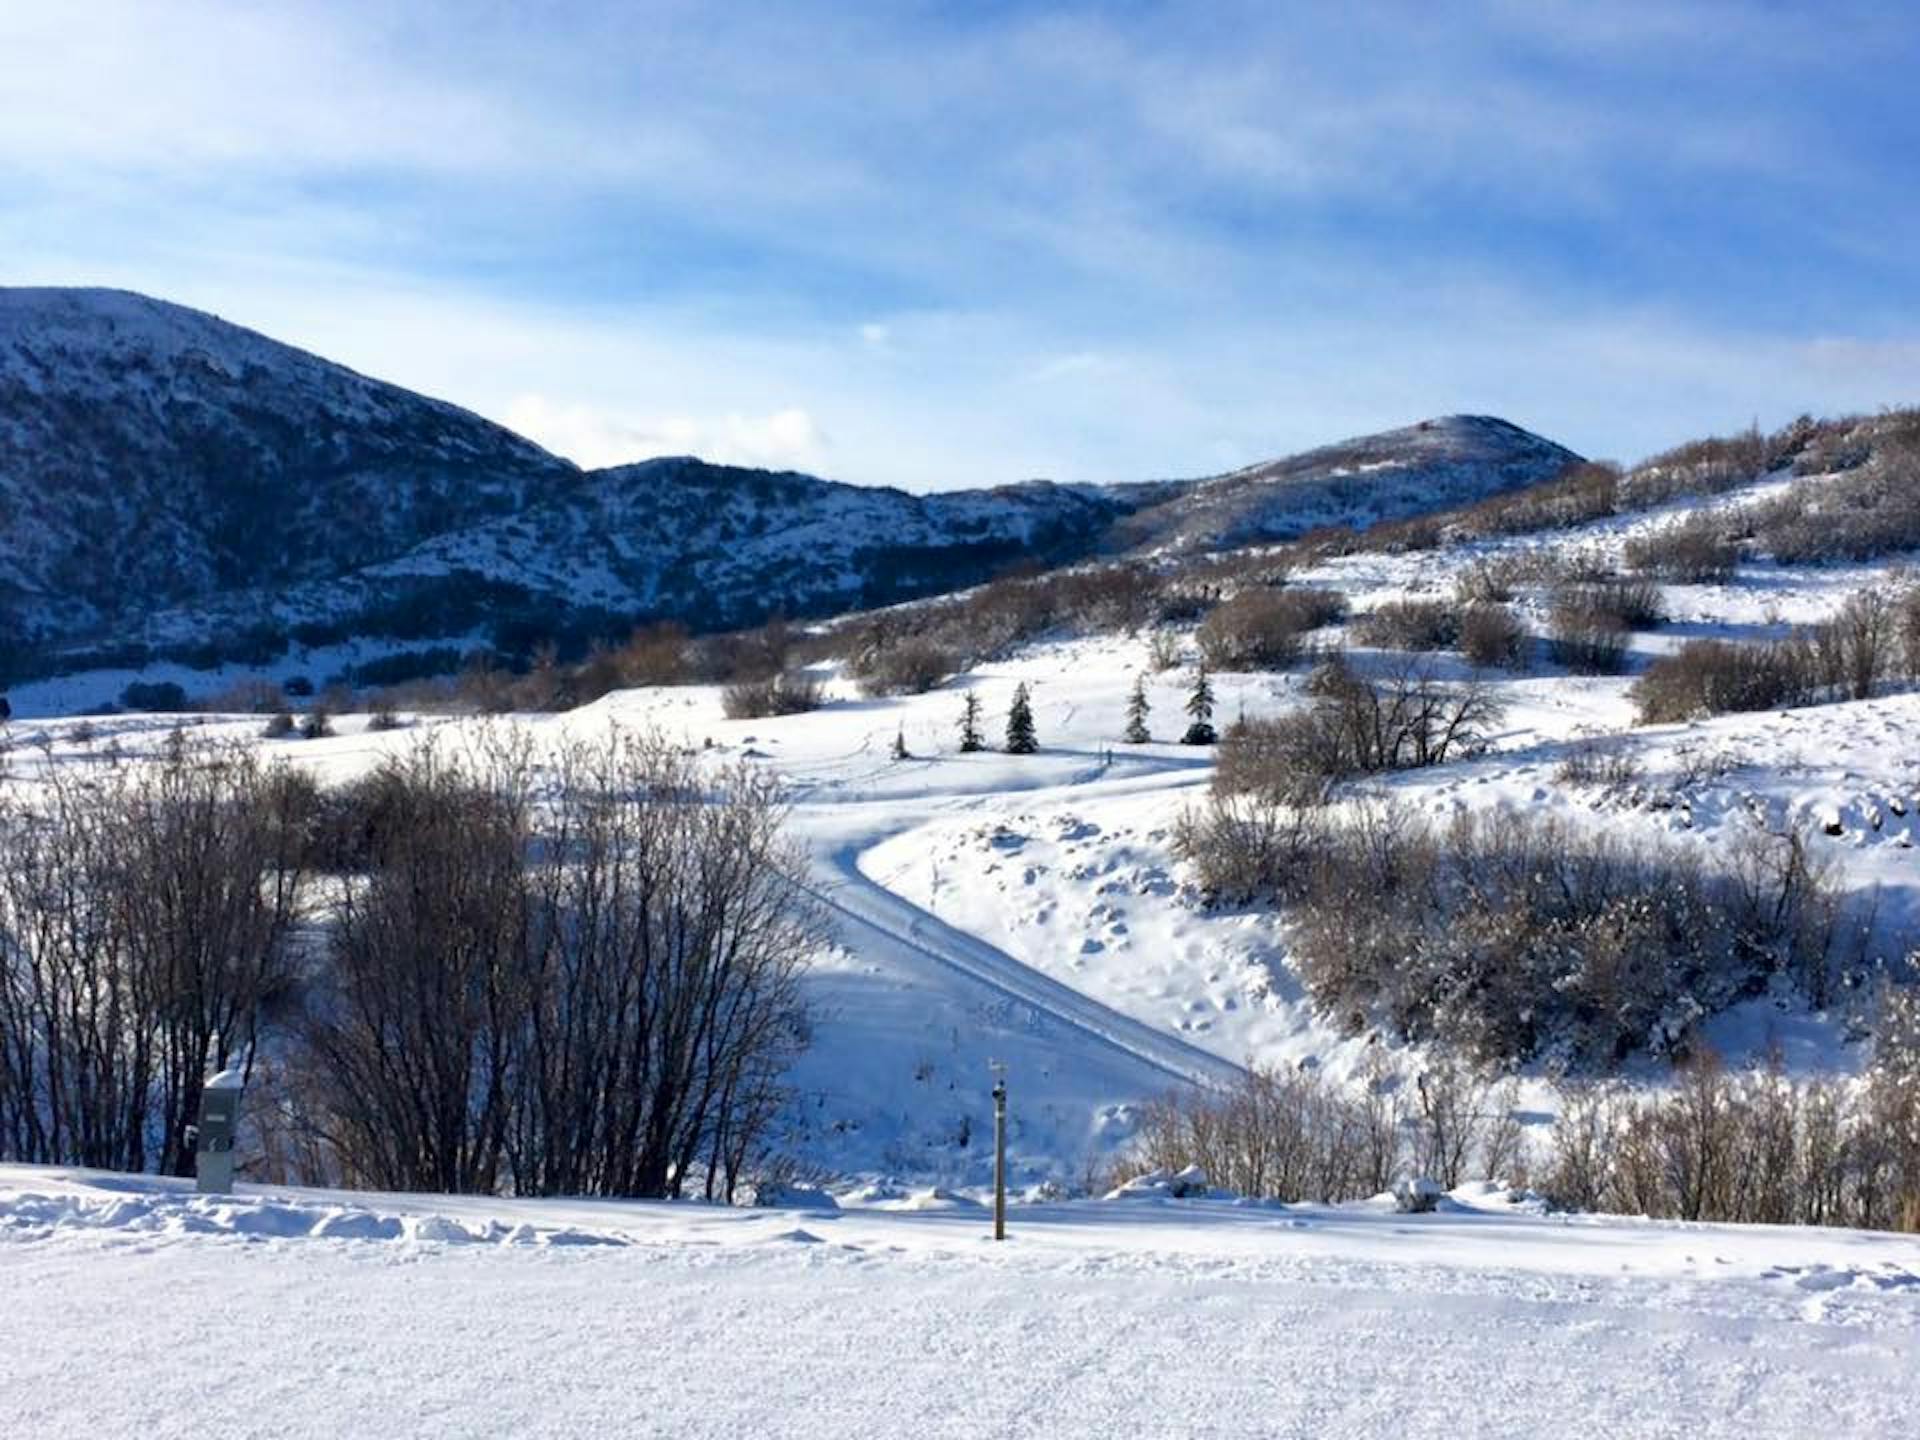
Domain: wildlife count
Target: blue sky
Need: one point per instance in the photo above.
(937, 245)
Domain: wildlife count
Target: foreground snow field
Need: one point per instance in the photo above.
(136, 1308)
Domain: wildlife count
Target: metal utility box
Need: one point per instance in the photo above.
(219, 1123)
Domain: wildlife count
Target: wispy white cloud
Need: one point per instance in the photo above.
(784, 439)
(972, 244)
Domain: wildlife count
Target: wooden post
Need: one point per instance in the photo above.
(1000, 1153)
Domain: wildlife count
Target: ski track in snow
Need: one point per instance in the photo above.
(869, 915)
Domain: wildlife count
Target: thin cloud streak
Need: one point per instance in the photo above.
(971, 245)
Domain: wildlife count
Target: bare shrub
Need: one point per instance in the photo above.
(1589, 762)
(1700, 467)
(1163, 650)
(595, 995)
(1587, 630)
(653, 655)
(1262, 629)
(1488, 580)
(1403, 718)
(1492, 635)
(905, 667)
(1245, 847)
(1695, 550)
(1409, 625)
(1907, 617)
(412, 1044)
(1292, 1135)
(1510, 937)
(1463, 1120)
(791, 693)
(1868, 511)
(146, 909)
(1860, 645)
(1753, 1148)
(1869, 640)
(1353, 725)
(1294, 758)
(1587, 491)
(1279, 1135)
(1714, 677)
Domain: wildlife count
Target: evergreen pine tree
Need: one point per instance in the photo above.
(970, 737)
(900, 751)
(1136, 732)
(1020, 737)
(1200, 712)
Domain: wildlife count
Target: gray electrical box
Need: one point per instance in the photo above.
(219, 1123)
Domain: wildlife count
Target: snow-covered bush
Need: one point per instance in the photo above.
(1190, 1183)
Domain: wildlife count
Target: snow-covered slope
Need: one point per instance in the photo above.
(152, 455)
(141, 1310)
(1436, 464)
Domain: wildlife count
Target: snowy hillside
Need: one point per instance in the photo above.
(172, 483)
(475, 1317)
(152, 455)
(1434, 465)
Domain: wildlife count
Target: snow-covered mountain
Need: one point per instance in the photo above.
(176, 487)
(1453, 460)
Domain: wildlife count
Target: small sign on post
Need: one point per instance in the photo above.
(999, 1150)
(219, 1124)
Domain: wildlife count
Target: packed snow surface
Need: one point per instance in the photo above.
(141, 1309)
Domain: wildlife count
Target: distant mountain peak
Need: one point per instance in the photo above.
(1430, 465)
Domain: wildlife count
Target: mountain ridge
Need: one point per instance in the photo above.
(174, 484)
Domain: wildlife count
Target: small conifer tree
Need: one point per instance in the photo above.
(900, 751)
(1200, 729)
(1136, 732)
(971, 739)
(1021, 739)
